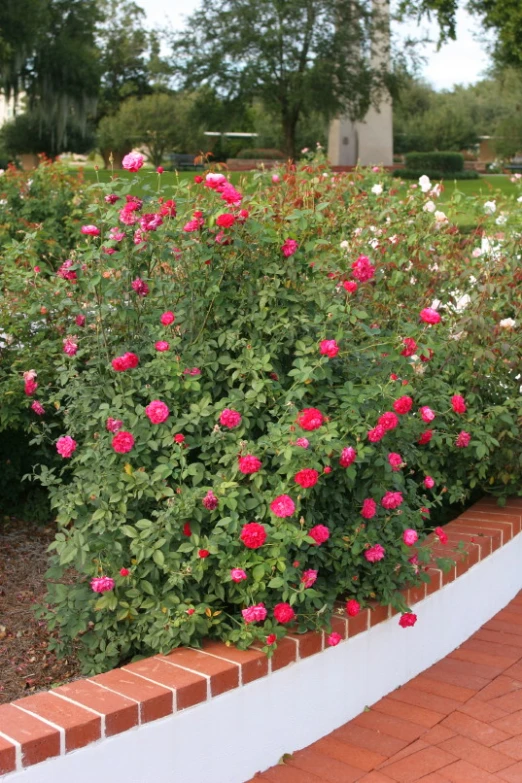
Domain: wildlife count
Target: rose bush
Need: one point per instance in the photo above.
(322, 355)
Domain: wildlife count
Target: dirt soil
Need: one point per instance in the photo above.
(26, 665)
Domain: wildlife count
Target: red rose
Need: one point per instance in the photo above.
(411, 346)
(249, 464)
(310, 419)
(283, 613)
(388, 420)
(369, 508)
(458, 404)
(123, 442)
(226, 220)
(407, 620)
(306, 478)
(320, 534)
(348, 455)
(425, 437)
(203, 553)
(253, 535)
(403, 405)
(353, 607)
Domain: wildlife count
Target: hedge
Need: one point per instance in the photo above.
(436, 161)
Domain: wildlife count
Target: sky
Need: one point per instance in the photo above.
(459, 62)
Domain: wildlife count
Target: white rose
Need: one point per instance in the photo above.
(344, 244)
(357, 232)
(501, 220)
(507, 323)
(374, 243)
(440, 217)
(490, 207)
(424, 183)
(477, 252)
(519, 199)
(377, 189)
(429, 206)
(436, 191)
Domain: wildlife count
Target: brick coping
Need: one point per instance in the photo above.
(71, 716)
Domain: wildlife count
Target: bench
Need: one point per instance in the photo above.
(183, 162)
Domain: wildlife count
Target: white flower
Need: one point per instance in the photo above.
(519, 199)
(440, 217)
(344, 244)
(2, 172)
(377, 189)
(477, 252)
(507, 323)
(436, 191)
(429, 206)
(357, 232)
(490, 207)
(424, 183)
(394, 239)
(305, 150)
(374, 243)
(501, 220)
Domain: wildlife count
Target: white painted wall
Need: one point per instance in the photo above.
(229, 738)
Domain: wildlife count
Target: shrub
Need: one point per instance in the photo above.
(254, 390)
(436, 175)
(435, 161)
(253, 153)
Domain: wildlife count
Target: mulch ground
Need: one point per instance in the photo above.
(26, 665)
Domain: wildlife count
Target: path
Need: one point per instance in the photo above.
(460, 721)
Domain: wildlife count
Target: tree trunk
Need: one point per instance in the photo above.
(289, 128)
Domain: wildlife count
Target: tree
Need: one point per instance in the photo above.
(296, 56)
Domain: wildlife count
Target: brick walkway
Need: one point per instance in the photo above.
(460, 721)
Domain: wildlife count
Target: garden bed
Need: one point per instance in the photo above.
(212, 701)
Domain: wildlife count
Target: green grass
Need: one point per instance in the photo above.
(148, 179)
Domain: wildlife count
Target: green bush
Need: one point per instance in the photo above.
(435, 174)
(435, 161)
(227, 380)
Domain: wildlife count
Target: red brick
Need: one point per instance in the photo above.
(455, 692)
(39, 741)
(482, 710)
(375, 777)
(309, 643)
(329, 770)
(378, 613)
(425, 699)
(500, 687)
(155, 702)
(437, 734)
(254, 663)
(190, 688)
(501, 522)
(511, 747)
(512, 774)
(359, 623)
(435, 583)
(409, 750)
(464, 772)
(472, 652)
(81, 726)
(510, 702)
(410, 712)
(468, 750)
(434, 777)
(386, 724)
(339, 625)
(284, 654)
(371, 740)
(224, 676)
(511, 724)
(120, 714)
(7, 756)
(355, 756)
(422, 763)
(459, 673)
(284, 773)
(416, 594)
(474, 729)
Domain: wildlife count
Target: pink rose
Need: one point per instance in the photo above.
(329, 348)
(102, 584)
(237, 575)
(362, 270)
(350, 286)
(410, 537)
(374, 553)
(249, 464)
(226, 220)
(320, 534)
(309, 577)
(302, 442)
(392, 500)
(254, 614)
(80, 320)
(38, 408)
(193, 371)
(253, 535)
(113, 425)
(91, 231)
(168, 318)
(123, 442)
(411, 346)
(333, 639)
(289, 247)
(430, 316)
(353, 607)
(425, 437)
(388, 420)
(230, 418)
(283, 613)
(458, 404)
(376, 434)
(65, 446)
(403, 405)
(157, 412)
(140, 287)
(210, 501)
(395, 460)
(70, 347)
(310, 419)
(133, 161)
(275, 178)
(369, 508)
(429, 483)
(129, 361)
(463, 439)
(441, 535)
(161, 346)
(214, 179)
(407, 620)
(427, 414)
(306, 478)
(348, 456)
(282, 506)
(30, 386)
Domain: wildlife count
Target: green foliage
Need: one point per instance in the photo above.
(246, 336)
(259, 154)
(435, 174)
(436, 161)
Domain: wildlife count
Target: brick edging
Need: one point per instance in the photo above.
(74, 715)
